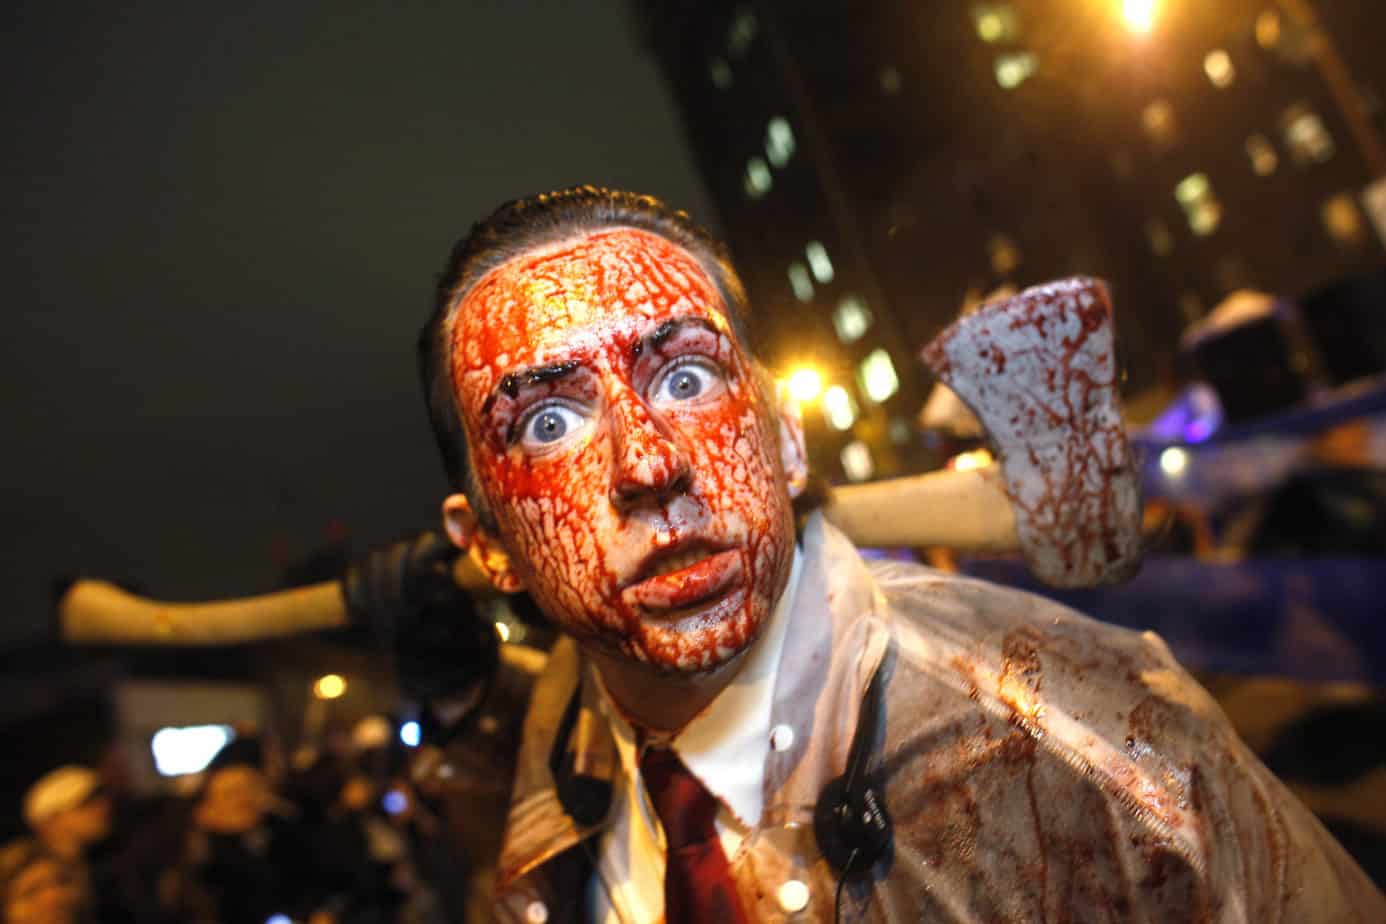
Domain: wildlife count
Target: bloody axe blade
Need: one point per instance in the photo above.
(1039, 371)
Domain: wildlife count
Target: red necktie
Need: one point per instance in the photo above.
(697, 878)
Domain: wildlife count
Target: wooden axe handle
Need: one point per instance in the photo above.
(965, 510)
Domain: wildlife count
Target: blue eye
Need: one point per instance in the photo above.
(549, 425)
(686, 382)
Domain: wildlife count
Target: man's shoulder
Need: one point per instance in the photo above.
(1101, 693)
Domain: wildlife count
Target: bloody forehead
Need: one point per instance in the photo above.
(527, 311)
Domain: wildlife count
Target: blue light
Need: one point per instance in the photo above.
(394, 802)
(279, 919)
(410, 733)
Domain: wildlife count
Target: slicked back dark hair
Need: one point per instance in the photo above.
(520, 226)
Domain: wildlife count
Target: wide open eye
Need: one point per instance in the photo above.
(687, 381)
(549, 424)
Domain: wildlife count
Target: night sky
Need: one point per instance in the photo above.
(222, 230)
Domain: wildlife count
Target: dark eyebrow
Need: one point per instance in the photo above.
(666, 330)
(511, 384)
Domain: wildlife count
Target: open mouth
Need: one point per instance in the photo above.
(684, 577)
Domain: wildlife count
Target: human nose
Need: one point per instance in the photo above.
(648, 464)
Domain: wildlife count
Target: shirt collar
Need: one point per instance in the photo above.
(725, 746)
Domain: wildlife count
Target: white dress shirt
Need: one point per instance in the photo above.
(724, 747)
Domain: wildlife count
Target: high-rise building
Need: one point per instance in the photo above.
(876, 163)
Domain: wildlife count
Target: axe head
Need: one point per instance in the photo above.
(1039, 371)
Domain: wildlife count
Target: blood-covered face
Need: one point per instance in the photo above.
(626, 448)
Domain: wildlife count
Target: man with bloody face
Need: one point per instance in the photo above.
(737, 711)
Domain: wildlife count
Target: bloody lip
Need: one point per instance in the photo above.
(703, 580)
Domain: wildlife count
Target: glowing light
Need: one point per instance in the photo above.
(410, 734)
(188, 749)
(1217, 64)
(503, 630)
(779, 141)
(838, 408)
(1306, 136)
(1343, 220)
(1139, 15)
(970, 461)
(1174, 461)
(394, 802)
(1192, 188)
(805, 385)
(857, 462)
(1262, 154)
(1014, 69)
(1268, 29)
(851, 318)
(995, 22)
(819, 263)
(800, 282)
(877, 375)
(1201, 206)
(757, 181)
(330, 686)
(1158, 122)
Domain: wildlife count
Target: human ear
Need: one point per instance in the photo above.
(793, 454)
(485, 550)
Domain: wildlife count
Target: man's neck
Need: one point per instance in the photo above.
(661, 702)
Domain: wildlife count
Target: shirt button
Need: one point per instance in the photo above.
(781, 737)
(793, 896)
(537, 913)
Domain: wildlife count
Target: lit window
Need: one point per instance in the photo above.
(800, 282)
(1261, 153)
(890, 80)
(779, 141)
(818, 262)
(1161, 240)
(851, 319)
(720, 72)
(757, 180)
(1157, 119)
(839, 408)
(877, 376)
(742, 32)
(1004, 254)
(1201, 206)
(995, 22)
(1014, 69)
(857, 463)
(1268, 29)
(188, 749)
(1217, 64)
(1343, 220)
(1305, 135)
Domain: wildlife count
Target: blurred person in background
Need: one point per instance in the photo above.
(242, 858)
(69, 813)
(37, 888)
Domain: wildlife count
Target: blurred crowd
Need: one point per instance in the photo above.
(344, 837)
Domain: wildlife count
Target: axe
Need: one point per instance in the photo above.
(1038, 369)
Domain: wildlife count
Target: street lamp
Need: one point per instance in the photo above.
(805, 384)
(330, 686)
(1139, 15)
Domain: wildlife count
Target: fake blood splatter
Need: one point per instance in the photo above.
(1038, 369)
(622, 441)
